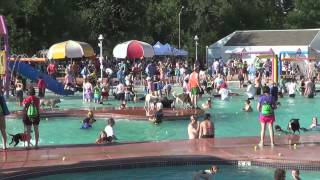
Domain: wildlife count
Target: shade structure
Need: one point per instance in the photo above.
(168, 50)
(133, 49)
(158, 49)
(70, 49)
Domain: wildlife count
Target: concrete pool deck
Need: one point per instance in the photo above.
(291, 149)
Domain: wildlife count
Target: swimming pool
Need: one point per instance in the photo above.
(229, 121)
(226, 172)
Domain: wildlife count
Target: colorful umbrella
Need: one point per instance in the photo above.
(133, 49)
(70, 49)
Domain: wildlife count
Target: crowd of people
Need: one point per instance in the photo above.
(158, 80)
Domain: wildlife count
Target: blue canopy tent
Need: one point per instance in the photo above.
(180, 52)
(158, 49)
(168, 50)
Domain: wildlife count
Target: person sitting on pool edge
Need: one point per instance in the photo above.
(88, 121)
(107, 135)
(247, 106)
(206, 174)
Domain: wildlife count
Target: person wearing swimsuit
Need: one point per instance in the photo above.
(194, 85)
(206, 127)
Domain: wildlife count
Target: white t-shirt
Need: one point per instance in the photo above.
(251, 91)
(224, 93)
(182, 71)
(292, 88)
(216, 65)
(120, 88)
(109, 130)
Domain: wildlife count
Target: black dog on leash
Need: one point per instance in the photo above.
(16, 138)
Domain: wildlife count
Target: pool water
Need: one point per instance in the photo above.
(227, 116)
(180, 172)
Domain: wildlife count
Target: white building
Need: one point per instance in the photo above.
(249, 44)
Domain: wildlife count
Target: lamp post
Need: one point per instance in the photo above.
(100, 38)
(180, 24)
(196, 38)
(207, 56)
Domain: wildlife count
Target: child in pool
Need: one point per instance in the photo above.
(207, 105)
(247, 106)
(88, 121)
(206, 174)
(97, 93)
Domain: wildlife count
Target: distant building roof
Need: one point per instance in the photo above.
(273, 37)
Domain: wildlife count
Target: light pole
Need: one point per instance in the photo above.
(100, 38)
(207, 56)
(196, 38)
(180, 25)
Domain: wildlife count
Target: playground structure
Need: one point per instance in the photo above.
(298, 57)
(4, 51)
(18, 64)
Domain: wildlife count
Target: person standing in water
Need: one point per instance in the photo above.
(206, 128)
(193, 128)
(194, 85)
(3, 112)
(266, 105)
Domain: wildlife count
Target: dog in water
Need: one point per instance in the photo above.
(294, 125)
(279, 130)
(183, 99)
(51, 103)
(16, 138)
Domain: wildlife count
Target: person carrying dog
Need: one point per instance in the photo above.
(31, 115)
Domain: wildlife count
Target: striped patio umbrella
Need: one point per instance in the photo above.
(70, 49)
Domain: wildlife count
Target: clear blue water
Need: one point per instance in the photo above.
(180, 172)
